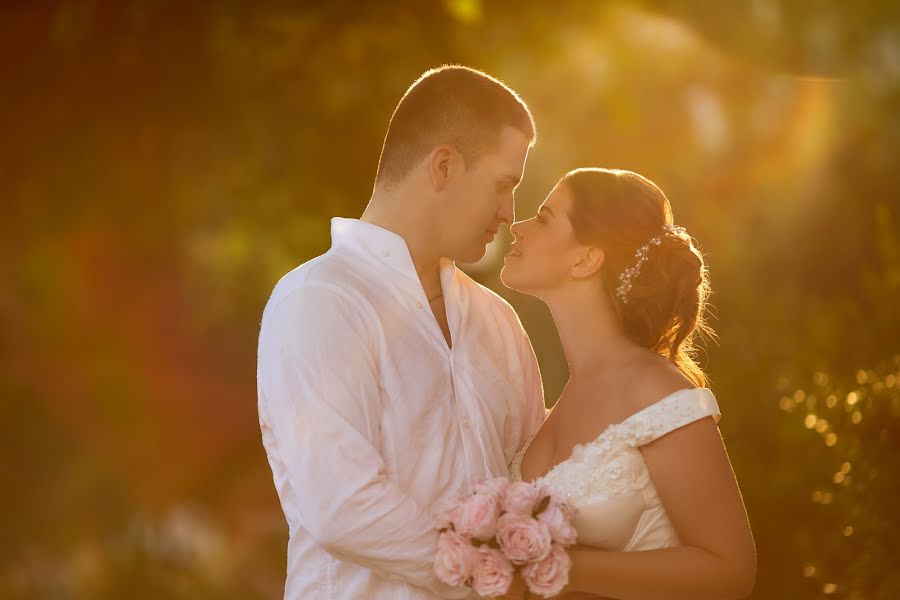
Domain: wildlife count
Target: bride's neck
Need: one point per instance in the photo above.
(591, 337)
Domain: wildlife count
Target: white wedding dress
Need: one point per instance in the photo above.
(608, 482)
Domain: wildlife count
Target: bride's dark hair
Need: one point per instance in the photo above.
(618, 212)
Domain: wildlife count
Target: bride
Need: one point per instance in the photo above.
(632, 442)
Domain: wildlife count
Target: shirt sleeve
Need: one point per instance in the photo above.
(535, 409)
(529, 408)
(319, 378)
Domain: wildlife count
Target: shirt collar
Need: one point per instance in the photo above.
(383, 246)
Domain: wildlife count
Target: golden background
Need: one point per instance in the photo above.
(163, 163)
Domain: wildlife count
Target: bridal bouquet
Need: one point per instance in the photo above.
(500, 527)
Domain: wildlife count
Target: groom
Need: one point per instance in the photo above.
(388, 380)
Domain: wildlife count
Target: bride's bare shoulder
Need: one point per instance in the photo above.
(650, 378)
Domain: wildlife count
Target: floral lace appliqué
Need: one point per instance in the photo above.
(600, 470)
(612, 465)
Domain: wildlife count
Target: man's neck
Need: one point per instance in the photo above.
(414, 230)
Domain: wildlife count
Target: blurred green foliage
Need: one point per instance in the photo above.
(162, 163)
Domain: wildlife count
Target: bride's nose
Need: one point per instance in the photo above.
(516, 229)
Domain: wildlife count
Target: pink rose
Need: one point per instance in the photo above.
(521, 497)
(558, 518)
(549, 576)
(522, 538)
(495, 486)
(493, 573)
(455, 560)
(477, 516)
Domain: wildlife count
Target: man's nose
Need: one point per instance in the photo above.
(507, 212)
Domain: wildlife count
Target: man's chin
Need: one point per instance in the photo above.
(471, 256)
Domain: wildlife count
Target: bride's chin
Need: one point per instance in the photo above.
(509, 280)
(506, 279)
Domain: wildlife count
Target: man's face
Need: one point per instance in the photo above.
(481, 198)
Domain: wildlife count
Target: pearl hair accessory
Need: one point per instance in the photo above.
(640, 254)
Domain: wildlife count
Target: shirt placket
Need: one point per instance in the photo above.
(410, 289)
(461, 404)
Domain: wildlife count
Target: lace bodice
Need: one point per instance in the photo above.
(607, 480)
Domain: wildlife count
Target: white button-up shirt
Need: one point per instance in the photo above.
(369, 419)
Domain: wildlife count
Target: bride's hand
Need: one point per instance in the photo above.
(518, 589)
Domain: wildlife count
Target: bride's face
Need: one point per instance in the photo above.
(544, 249)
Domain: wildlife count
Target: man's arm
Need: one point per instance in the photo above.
(534, 407)
(319, 377)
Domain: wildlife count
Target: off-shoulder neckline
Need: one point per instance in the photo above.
(610, 427)
(654, 405)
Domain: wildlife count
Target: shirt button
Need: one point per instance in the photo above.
(385, 253)
(465, 422)
(419, 304)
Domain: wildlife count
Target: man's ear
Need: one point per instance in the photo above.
(441, 163)
(589, 263)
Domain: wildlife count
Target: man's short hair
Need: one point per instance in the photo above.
(453, 105)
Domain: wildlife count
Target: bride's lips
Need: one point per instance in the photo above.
(514, 251)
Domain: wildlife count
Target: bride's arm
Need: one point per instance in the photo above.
(717, 559)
